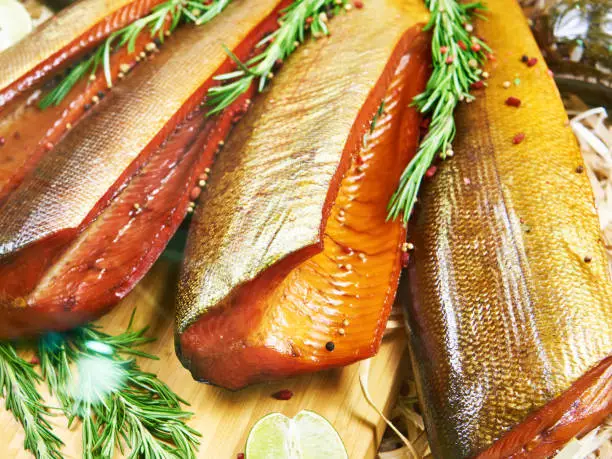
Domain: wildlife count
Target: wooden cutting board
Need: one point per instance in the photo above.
(224, 418)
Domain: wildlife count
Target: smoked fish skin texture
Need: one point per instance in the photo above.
(72, 179)
(252, 217)
(510, 296)
(67, 246)
(63, 37)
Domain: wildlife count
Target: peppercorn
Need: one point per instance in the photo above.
(513, 102)
(518, 138)
(284, 394)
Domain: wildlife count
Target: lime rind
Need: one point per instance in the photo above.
(307, 436)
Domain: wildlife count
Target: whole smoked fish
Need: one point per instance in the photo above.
(97, 210)
(290, 266)
(510, 318)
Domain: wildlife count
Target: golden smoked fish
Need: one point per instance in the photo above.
(290, 266)
(95, 213)
(510, 311)
(65, 36)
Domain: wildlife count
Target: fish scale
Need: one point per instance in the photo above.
(505, 313)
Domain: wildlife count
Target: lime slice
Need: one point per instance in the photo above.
(15, 23)
(306, 436)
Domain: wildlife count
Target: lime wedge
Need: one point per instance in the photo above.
(306, 436)
(15, 23)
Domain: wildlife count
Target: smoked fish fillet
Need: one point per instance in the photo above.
(510, 301)
(97, 210)
(290, 265)
(65, 36)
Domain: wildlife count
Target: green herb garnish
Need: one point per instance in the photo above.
(457, 57)
(296, 19)
(172, 11)
(97, 380)
(18, 387)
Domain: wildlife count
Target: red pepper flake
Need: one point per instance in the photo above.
(34, 360)
(491, 56)
(462, 45)
(284, 394)
(2, 141)
(240, 456)
(358, 4)
(309, 20)
(476, 47)
(518, 138)
(513, 101)
(405, 257)
(443, 49)
(532, 61)
(431, 171)
(477, 84)
(449, 60)
(359, 160)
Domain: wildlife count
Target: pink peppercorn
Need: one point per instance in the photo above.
(284, 394)
(513, 101)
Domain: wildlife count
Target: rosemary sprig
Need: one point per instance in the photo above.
(296, 19)
(116, 401)
(457, 56)
(172, 12)
(18, 387)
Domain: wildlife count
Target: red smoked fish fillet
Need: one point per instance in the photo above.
(290, 266)
(94, 214)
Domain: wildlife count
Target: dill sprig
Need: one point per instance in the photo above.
(124, 403)
(457, 56)
(18, 387)
(296, 19)
(171, 12)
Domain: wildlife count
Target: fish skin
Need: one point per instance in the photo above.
(256, 225)
(108, 144)
(505, 314)
(88, 171)
(38, 129)
(63, 37)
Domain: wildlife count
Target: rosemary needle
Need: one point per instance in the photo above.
(18, 387)
(172, 11)
(296, 19)
(457, 56)
(115, 400)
